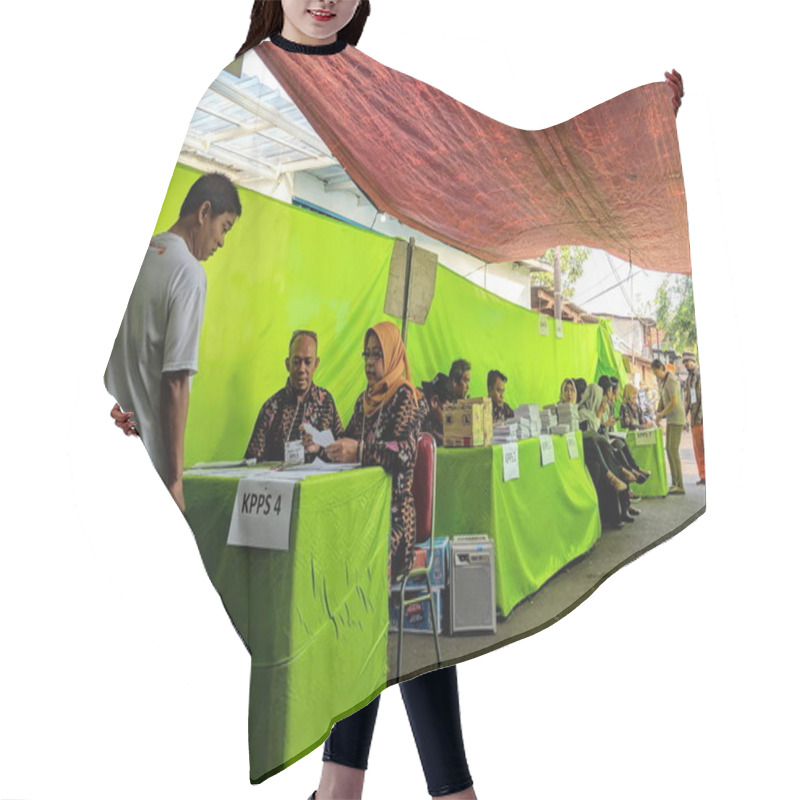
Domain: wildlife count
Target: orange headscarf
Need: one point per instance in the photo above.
(396, 371)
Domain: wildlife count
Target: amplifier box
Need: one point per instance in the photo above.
(472, 590)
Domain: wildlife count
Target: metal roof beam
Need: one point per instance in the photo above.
(251, 167)
(230, 91)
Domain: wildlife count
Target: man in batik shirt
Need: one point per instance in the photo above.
(277, 435)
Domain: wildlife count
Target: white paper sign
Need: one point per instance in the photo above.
(544, 325)
(572, 445)
(548, 451)
(322, 438)
(262, 516)
(559, 328)
(645, 438)
(510, 461)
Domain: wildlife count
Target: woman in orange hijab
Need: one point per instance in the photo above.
(383, 431)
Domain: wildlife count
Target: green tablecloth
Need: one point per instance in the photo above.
(315, 618)
(539, 522)
(651, 458)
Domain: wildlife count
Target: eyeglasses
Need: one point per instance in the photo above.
(372, 355)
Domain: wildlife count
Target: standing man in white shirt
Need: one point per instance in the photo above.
(155, 353)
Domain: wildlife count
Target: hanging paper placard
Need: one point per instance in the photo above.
(510, 461)
(548, 451)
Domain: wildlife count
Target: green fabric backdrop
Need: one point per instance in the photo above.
(284, 268)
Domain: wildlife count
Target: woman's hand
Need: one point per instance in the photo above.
(124, 420)
(675, 82)
(343, 451)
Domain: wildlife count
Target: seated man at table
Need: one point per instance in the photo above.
(460, 374)
(300, 402)
(496, 384)
(438, 393)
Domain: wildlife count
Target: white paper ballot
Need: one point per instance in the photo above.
(510, 461)
(262, 516)
(322, 438)
(548, 451)
(572, 445)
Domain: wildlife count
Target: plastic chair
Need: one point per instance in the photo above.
(424, 490)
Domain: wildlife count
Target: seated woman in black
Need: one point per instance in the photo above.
(610, 387)
(602, 462)
(631, 417)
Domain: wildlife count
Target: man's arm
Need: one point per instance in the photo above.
(174, 410)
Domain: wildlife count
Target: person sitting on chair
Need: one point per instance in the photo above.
(300, 402)
(438, 393)
(496, 384)
(460, 374)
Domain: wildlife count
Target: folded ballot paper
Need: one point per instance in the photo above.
(339, 132)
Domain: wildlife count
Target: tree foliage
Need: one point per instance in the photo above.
(674, 313)
(572, 261)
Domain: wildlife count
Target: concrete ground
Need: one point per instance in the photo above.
(660, 519)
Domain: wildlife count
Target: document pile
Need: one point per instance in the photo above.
(505, 432)
(524, 430)
(567, 414)
(548, 418)
(528, 418)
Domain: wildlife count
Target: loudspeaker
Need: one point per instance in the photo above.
(472, 593)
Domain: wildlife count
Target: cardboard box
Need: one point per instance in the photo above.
(468, 423)
(418, 615)
(441, 562)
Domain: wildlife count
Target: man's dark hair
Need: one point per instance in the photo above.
(458, 368)
(493, 375)
(266, 19)
(604, 382)
(441, 387)
(217, 189)
(580, 387)
(657, 364)
(614, 381)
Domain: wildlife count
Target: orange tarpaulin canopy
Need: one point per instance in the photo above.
(609, 178)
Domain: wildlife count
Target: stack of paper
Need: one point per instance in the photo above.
(504, 432)
(567, 414)
(548, 420)
(530, 413)
(524, 430)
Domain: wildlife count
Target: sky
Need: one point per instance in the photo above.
(598, 290)
(120, 675)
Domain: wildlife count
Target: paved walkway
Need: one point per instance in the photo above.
(660, 519)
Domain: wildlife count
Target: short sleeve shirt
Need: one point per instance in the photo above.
(671, 389)
(160, 333)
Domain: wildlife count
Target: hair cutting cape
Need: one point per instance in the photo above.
(320, 147)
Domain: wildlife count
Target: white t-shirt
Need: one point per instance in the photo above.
(160, 332)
